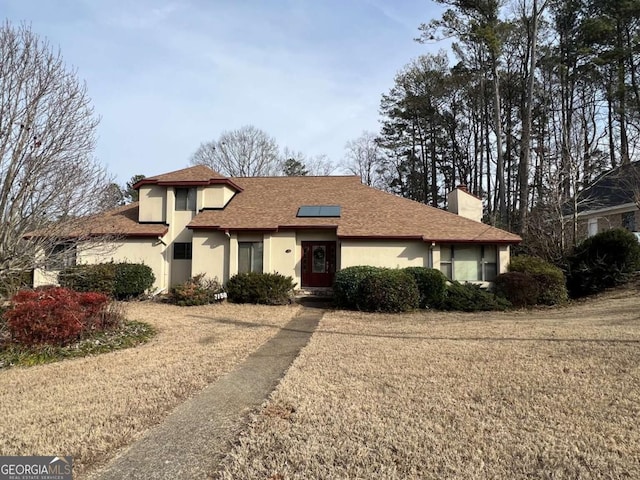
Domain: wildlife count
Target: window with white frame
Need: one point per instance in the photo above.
(469, 263)
(250, 257)
(592, 227)
(186, 199)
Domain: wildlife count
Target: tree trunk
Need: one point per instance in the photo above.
(502, 208)
(523, 168)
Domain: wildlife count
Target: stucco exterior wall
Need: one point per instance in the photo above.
(153, 203)
(136, 250)
(214, 196)
(45, 277)
(211, 255)
(464, 204)
(280, 254)
(385, 253)
(504, 256)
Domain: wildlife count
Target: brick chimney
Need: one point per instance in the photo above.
(463, 203)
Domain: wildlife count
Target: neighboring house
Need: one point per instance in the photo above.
(611, 201)
(195, 221)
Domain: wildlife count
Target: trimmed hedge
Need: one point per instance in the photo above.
(432, 285)
(388, 291)
(347, 284)
(99, 278)
(197, 291)
(602, 261)
(118, 280)
(262, 288)
(468, 297)
(132, 280)
(552, 285)
(519, 288)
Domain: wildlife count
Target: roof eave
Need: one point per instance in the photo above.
(188, 183)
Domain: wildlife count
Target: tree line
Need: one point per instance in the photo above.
(533, 100)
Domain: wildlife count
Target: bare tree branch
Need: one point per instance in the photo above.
(246, 152)
(48, 176)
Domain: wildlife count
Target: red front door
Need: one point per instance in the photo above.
(318, 264)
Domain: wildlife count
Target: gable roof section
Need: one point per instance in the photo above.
(191, 176)
(614, 188)
(271, 203)
(119, 222)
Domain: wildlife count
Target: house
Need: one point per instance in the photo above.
(611, 201)
(195, 221)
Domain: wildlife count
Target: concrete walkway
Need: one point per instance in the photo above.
(197, 435)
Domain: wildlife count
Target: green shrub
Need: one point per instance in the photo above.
(347, 285)
(519, 288)
(602, 261)
(552, 285)
(468, 297)
(118, 280)
(132, 280)
(432, 285)
(99, 278)
(263, 288)
(388, 291)
(197, 291)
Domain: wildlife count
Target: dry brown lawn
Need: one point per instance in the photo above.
(90, 407)
(551, 393)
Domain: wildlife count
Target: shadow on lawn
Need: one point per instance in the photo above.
(246, 324)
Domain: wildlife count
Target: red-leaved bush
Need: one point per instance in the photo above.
(53, 315)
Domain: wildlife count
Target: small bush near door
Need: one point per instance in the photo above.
(347, 284)
(432, 285)
(263, 288)
(197, 291)
(388, 291)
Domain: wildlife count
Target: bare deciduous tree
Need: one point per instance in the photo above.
(318, 165)
(364, 158)
(246, 152)
(48, 176)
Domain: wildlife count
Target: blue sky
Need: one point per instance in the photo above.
(166, 75)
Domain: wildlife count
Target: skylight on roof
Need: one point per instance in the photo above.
(319, 211)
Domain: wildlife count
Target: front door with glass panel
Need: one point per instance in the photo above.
(318, 264)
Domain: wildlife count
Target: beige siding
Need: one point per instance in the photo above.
(153, 203)
(381, 253)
